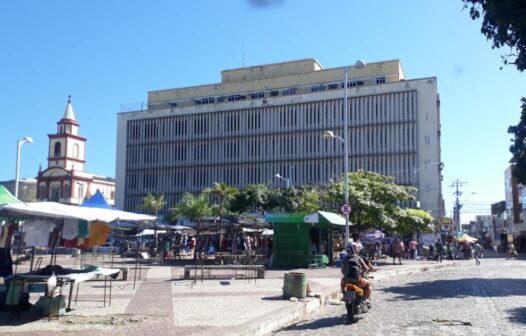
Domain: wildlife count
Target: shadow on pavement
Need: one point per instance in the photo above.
(274, 298)
(458, 288)
(17, 318)
(326, 322)
(518, 315)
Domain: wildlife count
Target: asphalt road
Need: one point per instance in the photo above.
(489, 299)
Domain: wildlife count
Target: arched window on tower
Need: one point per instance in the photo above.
(56, 152)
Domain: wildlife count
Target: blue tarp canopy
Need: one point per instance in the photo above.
(97, 201)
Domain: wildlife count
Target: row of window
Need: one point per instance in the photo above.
(377, 139)
(284, 92)
(376, 109)
(311, 172)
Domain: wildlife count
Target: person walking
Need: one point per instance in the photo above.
(412, 249)
(397, 249)
(478, 251)
(440, 250)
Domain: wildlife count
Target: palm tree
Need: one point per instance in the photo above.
(191, 207)
(153, 203)
(194, 208)
(224, 194)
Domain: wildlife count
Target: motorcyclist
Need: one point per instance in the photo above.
(353, 258)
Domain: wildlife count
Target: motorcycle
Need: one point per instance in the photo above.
(354, 302)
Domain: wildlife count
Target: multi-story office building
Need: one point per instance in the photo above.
(266, 120)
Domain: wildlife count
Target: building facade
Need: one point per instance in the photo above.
(266, 120)
(27, 188)
(64, 180)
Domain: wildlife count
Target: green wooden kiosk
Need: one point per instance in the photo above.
(297, 234)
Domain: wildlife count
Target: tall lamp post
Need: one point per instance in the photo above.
(19, 144)
(330, 135)
(287, 180)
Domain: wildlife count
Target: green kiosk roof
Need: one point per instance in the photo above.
(318, 217)
(6, 197)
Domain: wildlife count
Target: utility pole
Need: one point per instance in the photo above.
(457, 184)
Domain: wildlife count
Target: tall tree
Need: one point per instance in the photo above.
(374, 200)
(253, 197)
(504, 23)
(153, 203)
(224, 194)
(518, 147)
(191, 207)
(414, 220)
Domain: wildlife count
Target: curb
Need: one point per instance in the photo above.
(277, 319)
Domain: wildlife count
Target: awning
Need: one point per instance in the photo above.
(303, 217)
(466, 238)
(6, 197)
(58, 210)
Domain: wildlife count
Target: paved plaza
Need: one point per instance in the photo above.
(417, 296)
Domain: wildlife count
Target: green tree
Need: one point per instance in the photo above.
(191, 207)
(253, 197)
(374, 200)
(504, 23)
(414, 220)
(518, 147)
(153, 203)
(304, 199)
(224, 194)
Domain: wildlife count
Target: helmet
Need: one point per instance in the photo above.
(353, 247)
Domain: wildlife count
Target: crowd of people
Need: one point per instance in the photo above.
(180, 245)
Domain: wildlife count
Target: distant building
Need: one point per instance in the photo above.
(64, 180)
(27, 188)
(265, 120)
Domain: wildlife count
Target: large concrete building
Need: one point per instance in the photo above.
(65, 180)
(265, 120)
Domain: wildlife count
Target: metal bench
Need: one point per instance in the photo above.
(224, 272)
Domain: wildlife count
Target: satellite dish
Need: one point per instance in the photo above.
(360, 64)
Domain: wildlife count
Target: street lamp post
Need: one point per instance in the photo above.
(330, 135)
(19, 144)
(287, 180)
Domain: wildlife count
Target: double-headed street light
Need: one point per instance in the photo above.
(18, 147)
(330, 135)
(287, 180)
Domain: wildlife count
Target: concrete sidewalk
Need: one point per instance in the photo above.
(164, 303)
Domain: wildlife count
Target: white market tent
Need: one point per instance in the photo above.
(58, 210)
(149, 232)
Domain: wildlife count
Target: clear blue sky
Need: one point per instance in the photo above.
(108, 53)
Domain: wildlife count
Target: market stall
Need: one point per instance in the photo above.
(49, 224)
(301, 239)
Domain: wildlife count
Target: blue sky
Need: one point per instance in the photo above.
(110, 53)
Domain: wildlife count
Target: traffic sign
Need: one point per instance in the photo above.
(346, 209)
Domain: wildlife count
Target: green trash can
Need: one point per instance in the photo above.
(295, 285)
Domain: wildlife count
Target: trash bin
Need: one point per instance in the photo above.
(295, 285)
